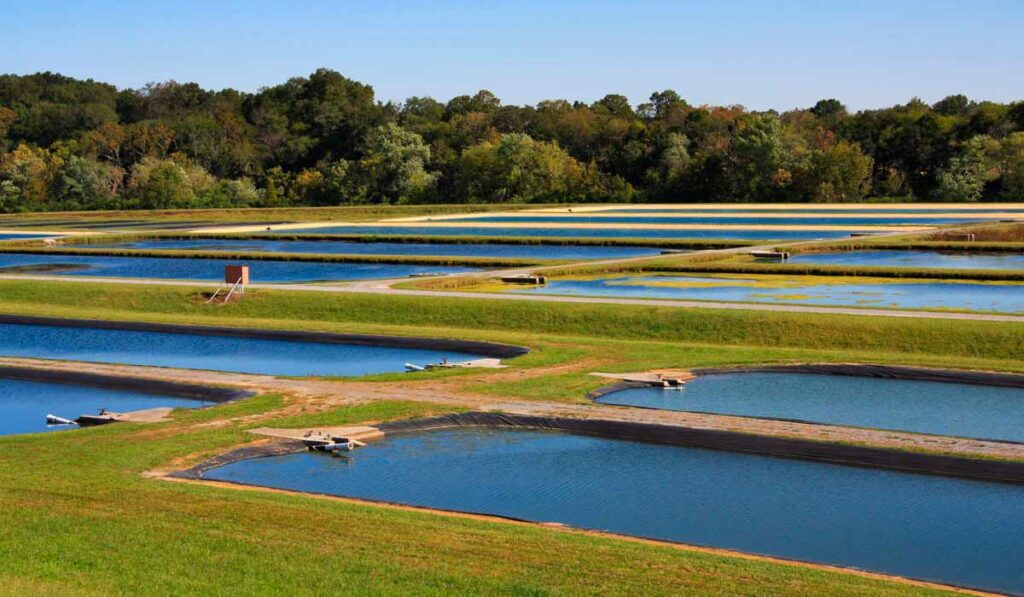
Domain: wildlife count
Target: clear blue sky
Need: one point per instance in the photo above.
(779, 54)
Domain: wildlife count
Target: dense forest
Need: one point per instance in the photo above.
(68, 144)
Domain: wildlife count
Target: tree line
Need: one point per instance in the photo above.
(68, 144)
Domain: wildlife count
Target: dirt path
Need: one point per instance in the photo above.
(310, 395)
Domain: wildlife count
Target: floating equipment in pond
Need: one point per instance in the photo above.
(771, 255)
(53, 420)
(321, 442)
(410, 368)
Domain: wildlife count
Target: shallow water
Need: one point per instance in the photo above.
(921, 526)
(970, 296)
(962, 410)
(581, 232)
(383, 248)
(917, 259)
(851, 209)
(25, 404)
(208, 269)
(26, 236)
(761, 220)
(223, 353)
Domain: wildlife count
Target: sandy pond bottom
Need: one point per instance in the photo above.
(942, 408)
(937, 528)
(968, 296)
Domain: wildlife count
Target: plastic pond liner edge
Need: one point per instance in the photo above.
(484, 349)
(731, 441)
(205, 393)
(904, 372)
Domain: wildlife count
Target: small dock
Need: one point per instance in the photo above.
(770, 255)
(149, 415)
(529, 279)
(664, 379)
(363, 434)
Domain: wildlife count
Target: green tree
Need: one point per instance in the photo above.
(81, 183)
(758, 154)
(840, 173)
(161, 185)
(519, 168)
(394, 165)
(952, 105)
(965, 176)
(29, 173)
(828, 107)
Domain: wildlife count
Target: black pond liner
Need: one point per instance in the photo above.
(782, 447)
(980, 378)
(958, 376)
(484, 349)
(115, 382)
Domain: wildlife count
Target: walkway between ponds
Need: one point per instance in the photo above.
(321, 395)
(386, 286)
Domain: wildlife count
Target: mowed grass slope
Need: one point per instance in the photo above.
(79, 516)
(486, 318)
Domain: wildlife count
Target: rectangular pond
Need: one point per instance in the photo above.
(546, 232)
(936, 528)
(752, 220)
(963, 410)
(25, 404)
(915, 259)
(222, 353)
(1000, 297)
(269, 271)
(340, 247)
(979, 211)
(22, 236)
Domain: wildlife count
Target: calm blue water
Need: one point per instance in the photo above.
(222, 353)
(739, 207)
(765, 220)
(212, 269)
(962, 410)
(927, 527)
(26, 236)
(382, 248)
(971, 296)
(25, 404)
(936, 259)
(581, 232)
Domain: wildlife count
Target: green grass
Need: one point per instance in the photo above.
(439, 260)
(662, 243)
(499, 319)
(79, 517)
(351, 213)
(747, 265)
(910, 244)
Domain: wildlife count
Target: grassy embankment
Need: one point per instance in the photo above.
(743, 264)
(612, 337)
(79, 517)
(1000, 237)
(657, 243)
(352, 213)
(439, 260)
